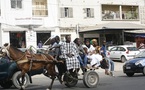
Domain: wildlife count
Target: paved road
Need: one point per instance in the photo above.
(119, 82)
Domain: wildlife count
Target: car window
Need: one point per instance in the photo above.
(121, 49)
(132, 48)
(113, 49)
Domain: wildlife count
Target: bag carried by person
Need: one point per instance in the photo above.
(104, 64)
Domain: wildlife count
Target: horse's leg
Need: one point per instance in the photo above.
(18, 78)
(22, 75)
(50, 86)
(51, 71)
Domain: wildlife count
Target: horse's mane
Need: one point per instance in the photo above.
(6, 44)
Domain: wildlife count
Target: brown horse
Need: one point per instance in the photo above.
(35, 62)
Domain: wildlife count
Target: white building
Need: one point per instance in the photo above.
(34, 20)
(28, 20)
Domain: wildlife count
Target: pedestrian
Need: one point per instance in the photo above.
(40, 44)
(69, 53)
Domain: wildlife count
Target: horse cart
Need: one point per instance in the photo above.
(90, 79)
(26, 64)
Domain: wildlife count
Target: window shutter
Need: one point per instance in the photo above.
(142, 14)
(62, 15)
(19, 3)
(13, 4)
(85, 12)
(92, 12)
(70, 13)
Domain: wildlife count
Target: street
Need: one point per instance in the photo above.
(119, 82)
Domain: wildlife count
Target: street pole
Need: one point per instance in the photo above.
(77, 30)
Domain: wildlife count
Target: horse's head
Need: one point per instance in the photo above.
(4, 50)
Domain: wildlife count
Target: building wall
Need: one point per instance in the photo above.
(53, 20)
(78, 14)
(9, 15)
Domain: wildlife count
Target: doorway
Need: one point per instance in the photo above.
(43, 37)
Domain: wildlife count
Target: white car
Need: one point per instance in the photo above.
(122, 52)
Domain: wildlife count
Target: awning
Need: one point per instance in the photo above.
(14, 28)
(140, 35)
(134, 31)
(113, 25)
(122, 25)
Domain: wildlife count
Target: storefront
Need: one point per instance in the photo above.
(137, 36)
(23, 37)
(113, 33)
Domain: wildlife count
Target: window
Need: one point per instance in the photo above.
(89, 12)
(130, 12)
(110, 12)
(16, 4)
(39, 8)
(66, 12)
(114, 49)
(121, 49)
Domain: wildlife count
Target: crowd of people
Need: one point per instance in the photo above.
(87, 55)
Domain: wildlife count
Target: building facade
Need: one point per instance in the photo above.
(26, 22)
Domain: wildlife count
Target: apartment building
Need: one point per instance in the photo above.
(112, 20)
(30, 21)
(26, 22)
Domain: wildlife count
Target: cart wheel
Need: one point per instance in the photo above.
(15, 81)
(70, 80)
(91, 79)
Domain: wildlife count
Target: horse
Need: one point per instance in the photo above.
(26, 62)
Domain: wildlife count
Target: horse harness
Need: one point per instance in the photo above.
(29, 57)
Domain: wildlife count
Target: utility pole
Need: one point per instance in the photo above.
(77, 30)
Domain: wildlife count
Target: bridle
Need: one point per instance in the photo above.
(5, 49)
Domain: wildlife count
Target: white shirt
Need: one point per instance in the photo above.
(96, 58)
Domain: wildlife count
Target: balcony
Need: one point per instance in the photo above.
(120, 12)
(115, 15)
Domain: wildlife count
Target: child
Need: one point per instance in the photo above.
(96, 58)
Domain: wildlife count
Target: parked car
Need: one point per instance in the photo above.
(136, 65)
(122, 52)
(9, 73)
